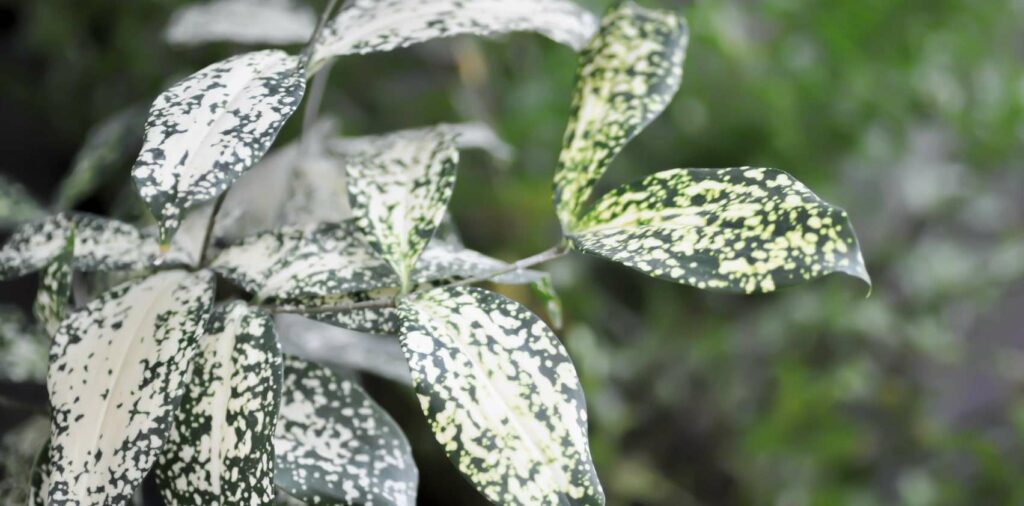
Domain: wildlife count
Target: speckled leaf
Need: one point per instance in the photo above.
(745, 230)
(101, 244)
(107, 148)
(16, 204)
(399, 194)
(207, 129)
(501, 395)
(545, 290)
(117, 371)
(335, 445)
(55, 287)
(369, 26)
(303, 262)
(270, 22)
(627, 76)
(220, 450)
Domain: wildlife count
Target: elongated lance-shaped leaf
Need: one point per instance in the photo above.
(501, 395)
(743, 230)
(101, 244)
(369, 26)
(207, 129)
(266, 22)
(108, 146)
(329, 345)
(23, 347)
(627, 76)
(16, 204)
(220, 450)
(399, 195)
(474, 135)
(335, 445)
(117, 372)
(55, 287)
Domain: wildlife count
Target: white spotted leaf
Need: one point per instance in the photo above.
(117, 372)
(501, 396)
(335, 445)
(399, 194)
(220, 449)
(101, 244)
(206, 130)
(627, 76)
(742, 230)
(270, 22)
(50, 305)
(369, 26)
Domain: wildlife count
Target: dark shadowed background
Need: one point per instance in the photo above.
(909, 114)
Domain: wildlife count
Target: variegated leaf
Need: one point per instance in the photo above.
(207, 129)
(399, 194)
(302, 262)
(627, 76)
(329, 345)
(23, 347)
(270, 22)
(369, 26)
(473, 135)
(16, 204)
(117, 371)
(335, 445)
(107, 146)
(220, 450)
(19, 450)
(40, 480)
(101, 244)
(55, 287)
(745, 230)
(501, 395)
(545, 290)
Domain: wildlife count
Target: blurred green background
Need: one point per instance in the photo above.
(909, 114)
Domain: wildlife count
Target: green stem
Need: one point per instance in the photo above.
(210, 225)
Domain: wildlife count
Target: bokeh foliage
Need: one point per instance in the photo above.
(909, 114)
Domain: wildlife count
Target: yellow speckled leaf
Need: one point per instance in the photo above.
(627, 75)
(743, 229)
(501, 395)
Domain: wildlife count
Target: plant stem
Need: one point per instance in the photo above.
(210, 225)
(525, 263)
(307, 53)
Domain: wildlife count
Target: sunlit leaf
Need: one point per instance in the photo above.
(220, 448)
(399, 194)
(101, 244)
(209, 128)
(269, 22)
(501, 396)
(627, 76)
(107, 146)
(16, 204)
(334, 444)
(745, 230)
(55, 287)
(368, 26)
(117, 371)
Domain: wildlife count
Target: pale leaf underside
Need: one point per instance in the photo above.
(206, 130)
(399, 194)
(335, 445)
(101, 244)
(627, 76)
(349, 349)
(220, 450)
(501, 396)
(743, 229)
(369, 26)
(117, 371)
(270, 22)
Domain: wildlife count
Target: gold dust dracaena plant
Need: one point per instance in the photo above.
(151, 370)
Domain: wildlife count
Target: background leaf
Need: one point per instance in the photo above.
(220, 448)
(627, 76)
(107, 146)
(336, 446)
(501, 395)
(206, 130)
(263, 22)
(55, 287)
(745, 230)
(117, 372)
(16, 204)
